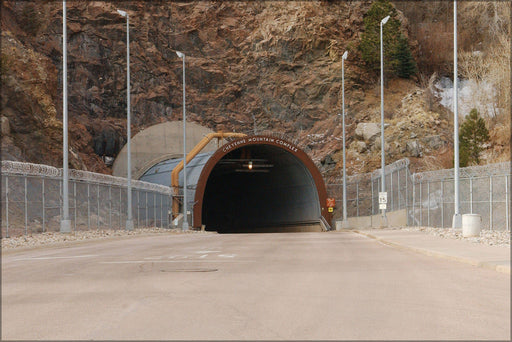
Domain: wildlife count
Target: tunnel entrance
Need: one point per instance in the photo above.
(260, 184)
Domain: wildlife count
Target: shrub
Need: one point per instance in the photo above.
(473, 134)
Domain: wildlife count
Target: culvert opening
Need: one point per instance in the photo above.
(264, 187)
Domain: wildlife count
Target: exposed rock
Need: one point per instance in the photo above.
(367, 131)
(433, 141)
(6, 129)
(361, 146)
(413, 148)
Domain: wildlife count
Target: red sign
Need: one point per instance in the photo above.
(331, 202)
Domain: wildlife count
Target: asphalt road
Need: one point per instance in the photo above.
(317, 286)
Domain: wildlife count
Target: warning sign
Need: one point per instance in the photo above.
(331, 202)
(331, 209)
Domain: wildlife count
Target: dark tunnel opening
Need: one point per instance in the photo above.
(260, 188)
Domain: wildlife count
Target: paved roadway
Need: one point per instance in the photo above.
(337, 285)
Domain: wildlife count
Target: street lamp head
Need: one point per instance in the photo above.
(180, 54)
(345, 55)
(385, 20)
(123, 13)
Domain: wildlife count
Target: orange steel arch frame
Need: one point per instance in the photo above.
(258, 140)
(175, 181)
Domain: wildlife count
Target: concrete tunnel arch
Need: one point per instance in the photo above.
(283, 188)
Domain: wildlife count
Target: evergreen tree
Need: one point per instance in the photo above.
(397, 53)
(473, 134)
(404, 64)
(370, 40)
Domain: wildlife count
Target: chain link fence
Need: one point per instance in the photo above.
(484, 190)
(32, 200)
(428, 197)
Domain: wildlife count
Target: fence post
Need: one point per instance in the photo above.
(471, 195)
(357, 198)
(120, 205)
(98, 200)
(371, 198)
(154, 209)
(7, 205)
(490, 202)
(428, 207)
(88, 206)
(74, 200)
(442, 203)
(398, 180)
(110, 206)
(407, 176)
(60, 198)
(26, 207)
(43, 204)
(147, 213)
(392, 192)
(161, 212)
(506, 202)
(138, 214)
(413, 200)
(421, 205)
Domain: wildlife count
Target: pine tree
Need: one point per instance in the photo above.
(404, 63)
(370, 40)
(473, 134)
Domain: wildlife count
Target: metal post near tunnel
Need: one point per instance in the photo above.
(344, 223)
(384, 220)
(457, 217)
(65, 223)
(185, 219)
(129, 219)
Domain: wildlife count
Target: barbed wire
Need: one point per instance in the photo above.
(465, 172)
(21, 168)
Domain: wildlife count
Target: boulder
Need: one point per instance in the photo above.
(433, 141)
(367, 131)
(413, 148)
(361, 146)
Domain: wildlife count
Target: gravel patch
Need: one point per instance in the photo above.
(487, 237)
(50, 238)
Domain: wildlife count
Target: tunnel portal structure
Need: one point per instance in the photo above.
(251, 184)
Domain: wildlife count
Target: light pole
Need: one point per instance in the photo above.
(383, 161)
(65, 223)
(344, 223)
(457, 218)
(129, 220)
(185, 221)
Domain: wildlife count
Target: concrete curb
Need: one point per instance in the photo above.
(94, 239)
(473, 262)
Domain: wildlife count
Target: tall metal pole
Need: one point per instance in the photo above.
(185, 220)
(383, 162)
(129, 219)
(345, 220)
(457, 218)
(65, 223)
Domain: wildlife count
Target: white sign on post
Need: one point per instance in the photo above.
(383, 198)
(382, 206)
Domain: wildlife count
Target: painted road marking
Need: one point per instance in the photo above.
(58, 257)
(227, 255)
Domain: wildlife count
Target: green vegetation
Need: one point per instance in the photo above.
(397, 54)
(473, 134)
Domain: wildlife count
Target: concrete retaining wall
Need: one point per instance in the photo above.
(396, 218)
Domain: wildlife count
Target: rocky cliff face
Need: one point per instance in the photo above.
(250, 67)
